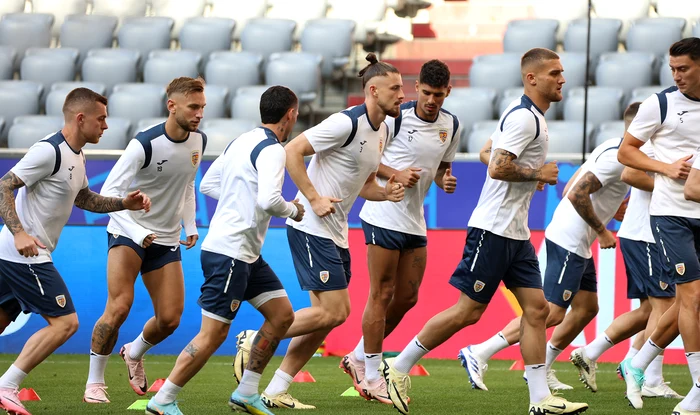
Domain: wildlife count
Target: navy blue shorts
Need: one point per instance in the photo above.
(320, 264)
(566, 274)
(646, 276)
(679, 241)
(489, 259)
(394, 240)
(228, 282)
(33, 288)
(152, 258)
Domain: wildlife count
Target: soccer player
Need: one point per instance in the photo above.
(346, 149)
(51, 179)
(498, 246)
(162, 161)
(422, 145)
(670, 120)
(247, 180)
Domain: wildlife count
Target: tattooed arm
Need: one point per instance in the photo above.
(8, 184)
(580, 197)
(503, 167)
(93, 202)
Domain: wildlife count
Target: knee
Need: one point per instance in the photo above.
(386, 293)
(337, 315)
(283, 319)
(66, 326)
(118, 312)
(555, 315)
(591, 311)
(168, 324)
(466, 317)
(537, 313)
(405, 303)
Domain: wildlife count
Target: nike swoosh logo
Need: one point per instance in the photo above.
(369, 356)
(538, 366)
(558, 407)
(292, 406)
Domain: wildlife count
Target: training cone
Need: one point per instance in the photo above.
(518, 365)
(155, 387)
(303, 376)
(139, 405)
(28, 395)
(350, 392)
(418, 370)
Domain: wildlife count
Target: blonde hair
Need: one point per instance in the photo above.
(185, 85)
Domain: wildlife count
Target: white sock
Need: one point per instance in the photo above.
(653, 374)
(632, 352)
(490, 347)
(12, 378)
(139, 347)
(410, 356)
(648, 352)
(694, 364)
(372, 362)
(537, 382)
(598, 346)
(167, 393)
(98, 364)
(279, 383)
(249, 383)
(691, 402)
(360, 350)
(552, 354)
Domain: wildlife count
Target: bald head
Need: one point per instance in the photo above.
(533, 60)
(81, 100)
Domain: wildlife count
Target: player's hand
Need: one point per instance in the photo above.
(549, 173)
(147, 241)
(540, 186)
(606, 240)
(137, 201)
(323, 206)
(680, 169)
(409, 177)
(27, 245)
(190, 242)
(300, 210)
(394, 191)
(620, 214)
(449, 182)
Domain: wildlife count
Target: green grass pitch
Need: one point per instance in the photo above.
(60, 382)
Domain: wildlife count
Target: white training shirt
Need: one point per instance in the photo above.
(164, 170)
(247, 180)
(567, 228)
(503, 206)
(413, 142)
(347, 149)
(670, 120)
(636, 226)
(53, 175)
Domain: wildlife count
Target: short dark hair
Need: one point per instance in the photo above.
(375, 68)
(689, 46)
(631, 111)
(434, 73)
(275, 102)
(185, 85)
(536, 55)
(80, 97)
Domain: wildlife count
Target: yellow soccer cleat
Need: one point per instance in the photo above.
(557, 405)
(283, 400)
(398, 384)
(244, 342)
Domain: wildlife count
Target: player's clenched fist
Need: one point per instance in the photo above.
(394, 191)
(549, 173)
(323, 206)
(300, 211)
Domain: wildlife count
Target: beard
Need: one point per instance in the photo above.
(185, 125)
(391, 110)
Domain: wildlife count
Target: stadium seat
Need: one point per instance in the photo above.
(234, 69)
(7, 59)
(47, 68)
(116, 136)
(239, 10)
(523, 35)
(221, 131)
(120, 8)
(145, 34)
(665, 74)
(137, 101)
(59, 90)
(67, 53)
(640, 94)
(654, 35)
(689, 10)
(625, 70)
(11, 6)
(179, 11)
(298, 71)
(604, 104)
(267, 36)
(245, 103)
(625, 10)
(331, 38)
(163, 66)
(470, 105)
(17, 98)
(506, 65)
(206, 35)
(59, 10)
(605, 131)
(511, 94)
(604, 37)
(110, 67)
(480, 133)
(146, 123)
(24, 30)
(28, 129)
(217, 100)
(574, 64)
(567, 137)
(564, 12)
(301, 11)
(367, 15)
(87, 32)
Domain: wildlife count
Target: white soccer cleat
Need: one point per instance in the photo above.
(554, 383)
(634, 379)
(660, 391)
(556, 405)
(475, 367)
(586, 368)
(244, 342)
(680, 411)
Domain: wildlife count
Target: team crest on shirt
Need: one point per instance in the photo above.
(663, 285)
(381, 146)
(680, 268)
(567, 295)
(61, 300)
(478, 286)
(195, 158)
(234, 305)
(443, 134)
(324, 275)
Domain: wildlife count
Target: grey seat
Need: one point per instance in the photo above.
(640, 94)
(179, 11)
(145, 34)
(239, 10)
(471, 105)
(245, 103)
(111, 67)
(625, 10)
(11, 6)
(480, 133)
(567, 136)
(17, 98)
(267, 36)
(523, 35)
(574, 64)
(604, 104)
(605, 131)
(146, 123)
(511, 94)
(604, 38)
(86, 32)
(332, 39)
(654, 35)
(298, 71)
(300, 12)
(28, 129)
(507, 65)
(120, 8)
(689, 10)
(7, 59)
(137, 101)
(24, 30)
(217, 100)
(67, 52)
(59, 9)
(221, 131)
(367, 15)
(206, 35)
(665, 74)
(47, 68)
(163, 66)
(625, 70)
(565, 12)
(234, 69)
(59, 91)
(115, 137)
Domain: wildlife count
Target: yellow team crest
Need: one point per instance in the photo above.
(61, 300)
(478, 286)
(680, 268)
(234, 305)
(324, 275)
(663, 285)
(443, 135)
(195, 158)
(381, 146)
(567, 295)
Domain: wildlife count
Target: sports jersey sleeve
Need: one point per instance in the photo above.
(648, 119)
(117, 185)
(189, 212)
(518, 130)
(211, 182)
(454, 144)
(391, 128)
(648, 149)
(607, 169)
(270, 166)
(331, 133)
(37, 164)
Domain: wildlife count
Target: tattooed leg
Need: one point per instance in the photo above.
(279, 315)
(409, 277)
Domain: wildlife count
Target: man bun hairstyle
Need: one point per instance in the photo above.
(375, 68)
